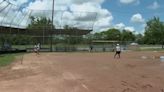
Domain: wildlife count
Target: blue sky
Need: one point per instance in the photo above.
(121, 14)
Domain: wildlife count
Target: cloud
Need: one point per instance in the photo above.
(120, 26)
(130, 2)
(131, 29)
(86, 14)
(18, 2)
(85, 1)
(9, 14)
(137, 18)
(78, 13)
(154, 6)
(40, 5)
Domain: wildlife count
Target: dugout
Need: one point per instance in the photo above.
(103, 45)
(45, 37)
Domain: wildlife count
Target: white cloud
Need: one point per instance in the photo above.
(131, 29)
(103, 24)
(40, 5)
(120, 26)
(154, 6)
(137, 18)
(18, 2)
(85, 1)
(9, 14)
(79, 13)
(90, 7)
(76, 13)
(129, 1)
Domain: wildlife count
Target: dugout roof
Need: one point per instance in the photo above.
(40, 32)
(104, 41)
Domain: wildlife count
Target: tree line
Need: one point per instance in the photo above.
(154, 34)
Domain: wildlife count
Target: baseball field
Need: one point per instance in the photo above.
(135, 71)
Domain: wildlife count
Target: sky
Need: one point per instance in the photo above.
(98, 15)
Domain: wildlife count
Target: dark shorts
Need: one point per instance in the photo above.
(118, 52)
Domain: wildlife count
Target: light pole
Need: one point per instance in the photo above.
(52, 26)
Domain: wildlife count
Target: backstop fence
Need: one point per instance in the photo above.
(22, 28)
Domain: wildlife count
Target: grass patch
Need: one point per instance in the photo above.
(6, 59)
(152, 49)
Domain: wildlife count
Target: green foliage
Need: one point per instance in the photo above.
(5, 38)
(139, 38)
(68, 39)
(112, 34)
(40, 23)
(154, 31)
(115, 34)
(37, 23)
(127, 36)
(99, 36)
(22, 40)
(16, 39)
(154, 34)
(73, 40)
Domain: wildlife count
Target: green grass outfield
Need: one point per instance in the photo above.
(6, 59)
(151, 48)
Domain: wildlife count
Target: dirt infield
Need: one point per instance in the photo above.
(84, 72)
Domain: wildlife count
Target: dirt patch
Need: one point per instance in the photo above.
(84, 72)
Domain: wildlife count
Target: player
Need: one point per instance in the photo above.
(118, 51)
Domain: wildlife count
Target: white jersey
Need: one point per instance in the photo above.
(118, 48)
(35, 48)
(38, 46)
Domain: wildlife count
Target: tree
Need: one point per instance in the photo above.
(154, 32)
(139, 38)
(40, 23)
(5, 39)
(112, 34)
(99, 36)
(127, 36)
(70, 39)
